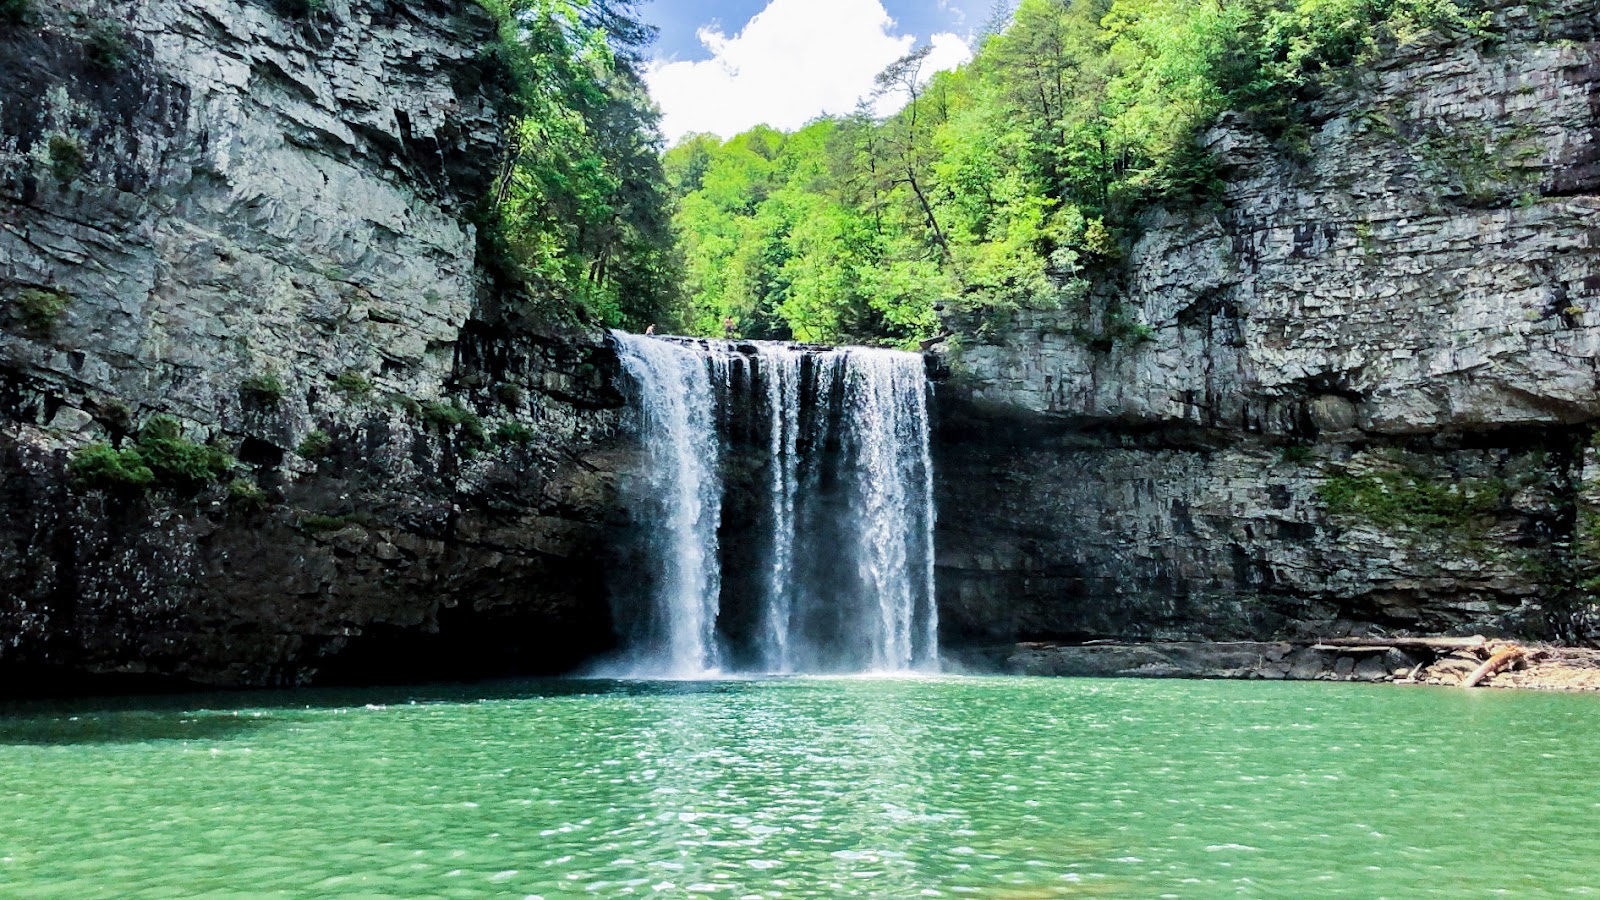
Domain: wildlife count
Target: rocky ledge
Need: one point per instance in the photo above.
(1472, 662)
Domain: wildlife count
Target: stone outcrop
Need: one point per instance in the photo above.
(1551, 668)
(1359, 392)
(1273, 661)
(253, 217)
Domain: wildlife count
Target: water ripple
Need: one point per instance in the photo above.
(985, 788)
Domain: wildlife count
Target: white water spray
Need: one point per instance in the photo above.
(886, 421)
(841, 441)
(678, 418)
(781, 371)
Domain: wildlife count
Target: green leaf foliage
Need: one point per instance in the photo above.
(246, 494)
(353, 384)
(449, 418)
(67, 158)
(1411, 499)
(161, 456)
(315, 445)
(101, 465)
(1005, 184)
(176, 460)
(105, 47)
(579, 216)
(39, 310)
(265, 387)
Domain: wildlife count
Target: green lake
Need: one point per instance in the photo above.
(940, 787)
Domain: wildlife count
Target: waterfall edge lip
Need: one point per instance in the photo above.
(740, 344)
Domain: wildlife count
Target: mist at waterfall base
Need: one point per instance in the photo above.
(781, 519)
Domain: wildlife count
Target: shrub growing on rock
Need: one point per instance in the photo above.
(161, 456)
(67, 158)
(405, 404)
(1297, 455)
(104, 466)
(317, 522)
(513, 434)
(117, 414)
(511, 395)
(176, 460)
(105, 47)
(353, 384)
(1411, 499)
(315, 445)
(39, 310)
(266, 387)
(246, 494)
(450, 417)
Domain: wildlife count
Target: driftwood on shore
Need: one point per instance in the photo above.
(1501, 656)
(1475, 662)
(1498, 662)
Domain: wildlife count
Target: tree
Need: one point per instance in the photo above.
(580, 214)
(907, 144)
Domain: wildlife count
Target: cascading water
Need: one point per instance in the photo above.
(887, 432)
(785, 519)
(677, 409)
(781, 371)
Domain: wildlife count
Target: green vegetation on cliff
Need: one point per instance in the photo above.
(1002, 185)
(161, 456)
(1406, 498)
(37, 310)
(578, 213)
(1005, 183)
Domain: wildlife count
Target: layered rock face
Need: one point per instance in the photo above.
(1361, 393)
(252, 217)
(1358, 393)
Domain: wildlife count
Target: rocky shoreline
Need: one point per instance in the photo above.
(1435, 661)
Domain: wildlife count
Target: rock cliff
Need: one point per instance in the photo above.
(1359, 392)
(250, 219)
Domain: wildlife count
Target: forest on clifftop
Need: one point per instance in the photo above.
(1002, 184)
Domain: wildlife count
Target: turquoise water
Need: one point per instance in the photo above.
(1004, 788)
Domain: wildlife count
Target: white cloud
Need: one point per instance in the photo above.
(796, 60)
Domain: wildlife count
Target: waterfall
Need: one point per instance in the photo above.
(783, 518)
(677, 409)
(887, 428)
(781, 371)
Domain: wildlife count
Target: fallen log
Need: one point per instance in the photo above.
(1436, 644)
(1497, 663)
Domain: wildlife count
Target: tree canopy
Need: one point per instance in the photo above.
(1000, 184)
(579, 216)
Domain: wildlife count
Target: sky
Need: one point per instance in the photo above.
(724, 66)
